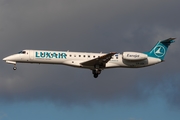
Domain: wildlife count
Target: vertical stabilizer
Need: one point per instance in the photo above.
(160, 49)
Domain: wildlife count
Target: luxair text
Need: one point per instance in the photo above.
(51, 55)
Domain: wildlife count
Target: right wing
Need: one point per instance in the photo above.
(102, 60)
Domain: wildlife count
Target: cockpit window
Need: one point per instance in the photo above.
(22, 52)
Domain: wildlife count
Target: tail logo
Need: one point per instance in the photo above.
(159, 51)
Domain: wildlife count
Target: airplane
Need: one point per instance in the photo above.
(96, 62)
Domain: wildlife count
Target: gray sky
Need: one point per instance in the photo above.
(90, 26)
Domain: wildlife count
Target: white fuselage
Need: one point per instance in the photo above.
(93, 61)
(76, 58)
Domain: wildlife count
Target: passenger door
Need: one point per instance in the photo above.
(31, 55)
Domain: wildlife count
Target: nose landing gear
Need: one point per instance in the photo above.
(14, 68)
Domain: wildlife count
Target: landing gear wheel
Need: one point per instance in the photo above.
(95, 75)
(96, 72)
(14, 68)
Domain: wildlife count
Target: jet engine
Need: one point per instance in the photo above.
(134, 56)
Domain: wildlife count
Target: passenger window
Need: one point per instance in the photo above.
(79, 55)
(88, 56)
(84, 56)
(70, 55)
(116, 57)
(94, 56)
(74, 55)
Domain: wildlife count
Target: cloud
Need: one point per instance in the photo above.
(2, 115)
(93, 26)
(134, 119)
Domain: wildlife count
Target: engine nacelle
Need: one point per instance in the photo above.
(134, 56)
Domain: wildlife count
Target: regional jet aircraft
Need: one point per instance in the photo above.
(96, 62)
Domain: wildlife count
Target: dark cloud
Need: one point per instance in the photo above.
(88, 26)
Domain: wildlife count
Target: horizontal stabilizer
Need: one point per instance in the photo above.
(169, 40)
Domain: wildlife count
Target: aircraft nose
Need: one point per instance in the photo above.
(14, 57)
(5, 58)
(11, 57)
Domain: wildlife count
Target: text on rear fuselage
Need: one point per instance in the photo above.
(134, 56)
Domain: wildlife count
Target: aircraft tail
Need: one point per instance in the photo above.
(160, 49)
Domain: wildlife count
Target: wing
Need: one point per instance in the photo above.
(101, 61)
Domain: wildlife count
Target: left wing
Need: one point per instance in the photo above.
(100, 61)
